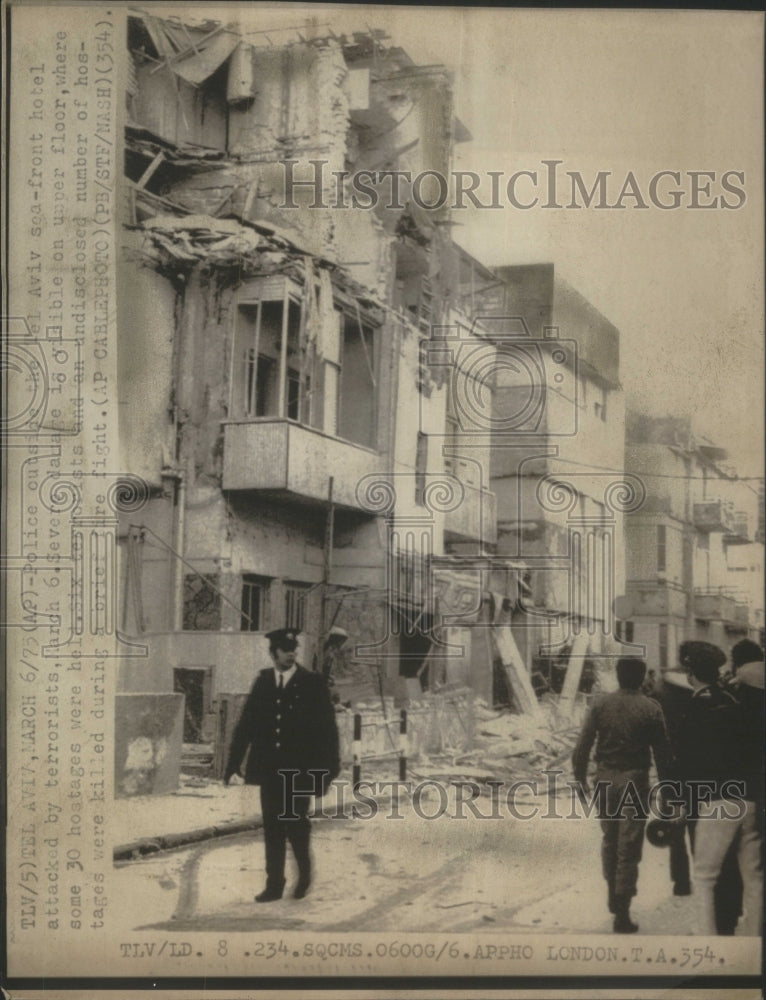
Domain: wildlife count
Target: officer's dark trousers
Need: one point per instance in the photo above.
(623, 811)
(285, 818)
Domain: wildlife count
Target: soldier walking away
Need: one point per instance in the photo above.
(288, 727)
(716, 749)
(625, 726)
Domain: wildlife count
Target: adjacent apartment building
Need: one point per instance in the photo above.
(694, 554)
(556, 460)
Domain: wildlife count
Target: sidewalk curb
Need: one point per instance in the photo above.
(169, 841)
(136, 849)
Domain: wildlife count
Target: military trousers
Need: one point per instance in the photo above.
(623, 809)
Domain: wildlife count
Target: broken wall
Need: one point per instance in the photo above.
(146, 322)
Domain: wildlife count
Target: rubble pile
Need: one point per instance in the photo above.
(508, 745)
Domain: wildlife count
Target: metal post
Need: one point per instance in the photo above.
(329, 542)
(403, 745)
(356, 772)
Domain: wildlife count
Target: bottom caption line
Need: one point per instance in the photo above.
(683, 957)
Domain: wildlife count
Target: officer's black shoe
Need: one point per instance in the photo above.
(268, 895)
(301, 888)
(623, 924)
(682, 889)
(612, 902)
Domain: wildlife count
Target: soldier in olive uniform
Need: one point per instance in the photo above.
(625, 726)
(288, 726)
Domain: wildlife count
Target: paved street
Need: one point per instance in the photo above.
(385, 874)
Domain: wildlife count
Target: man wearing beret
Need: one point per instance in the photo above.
(713, 749)
(288, 727)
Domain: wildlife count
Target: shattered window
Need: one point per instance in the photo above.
(357, 404)
(202, 602)
(273, 376)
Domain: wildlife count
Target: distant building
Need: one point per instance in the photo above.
(694, 567)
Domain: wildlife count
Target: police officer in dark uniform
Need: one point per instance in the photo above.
(288, 726)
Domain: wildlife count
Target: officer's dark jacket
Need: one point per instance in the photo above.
(710, 739)
(307, 739)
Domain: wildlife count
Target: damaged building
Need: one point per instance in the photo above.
(289, 375)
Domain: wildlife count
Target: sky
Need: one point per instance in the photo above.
(618, 91)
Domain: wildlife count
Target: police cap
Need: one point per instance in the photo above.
(283, 638)
(696, 653)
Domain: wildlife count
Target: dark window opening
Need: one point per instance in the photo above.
(194, 685)
(357, 404)
(663, 647)
(202, 603)
(264, 354)
(625, 631)
(421, 466)
(661, 548)
(254, 591)
(296, 598)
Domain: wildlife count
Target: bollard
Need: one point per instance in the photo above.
(403, 745)
(356, 771)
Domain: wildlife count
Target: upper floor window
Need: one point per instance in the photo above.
(296, 599)
(624, 630)
(662, 640)
(661, 548)
(254, 595)
(599, 405)
(273, 358)
(358, 384)
(202, 602)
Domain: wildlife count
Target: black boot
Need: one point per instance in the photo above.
(302, 886)
(622, 922)
(270, 893)
(611, 896)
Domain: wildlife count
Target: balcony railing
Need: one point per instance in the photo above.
(652, 599)
(289, 460)
(714, 605)
(713, 515)
(475, 517)
(740, 532)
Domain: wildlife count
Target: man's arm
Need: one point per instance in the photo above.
(242, 736)
(581, 753)
(660, 744)
(328, 729)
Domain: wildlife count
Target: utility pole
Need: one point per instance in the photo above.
(329, 541)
